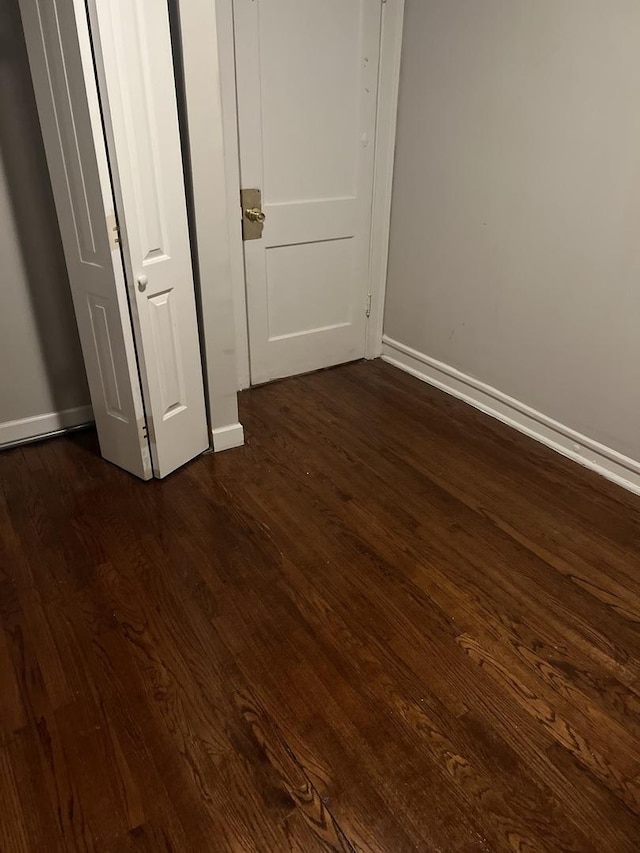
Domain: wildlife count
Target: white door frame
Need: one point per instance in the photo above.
(388, 89)
(389, 78)
(216, 226)
(227, 59)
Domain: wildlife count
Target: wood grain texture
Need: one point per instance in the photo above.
(388, 623)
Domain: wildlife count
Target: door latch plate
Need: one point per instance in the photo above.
(252, 225)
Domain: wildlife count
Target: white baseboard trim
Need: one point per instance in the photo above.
(587, 452)
(25, 429)
(224, 438)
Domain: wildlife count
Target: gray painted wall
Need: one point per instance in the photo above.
(41, 369)
(515, 244)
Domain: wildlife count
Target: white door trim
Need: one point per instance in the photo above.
(216, 228)
(390, 57)
(388, 89)
(228, 91)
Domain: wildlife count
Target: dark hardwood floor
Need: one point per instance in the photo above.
(388, 623)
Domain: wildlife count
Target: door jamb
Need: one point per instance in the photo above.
(388, 91)
(228, 92)
(388, 88)
(213, 223)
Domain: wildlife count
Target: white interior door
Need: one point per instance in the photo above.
(62, 70)
(132, 49)
(135, 101)
(307, 77)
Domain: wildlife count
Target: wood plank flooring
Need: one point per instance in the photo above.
(388, 623)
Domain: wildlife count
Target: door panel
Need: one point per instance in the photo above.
(134, 62)
(307, 73)
(167, 347)
(312, 97)
(62, 70)
(326, 302)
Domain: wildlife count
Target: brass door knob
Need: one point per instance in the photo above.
(254, 214)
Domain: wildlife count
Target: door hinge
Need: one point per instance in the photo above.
(369, 297)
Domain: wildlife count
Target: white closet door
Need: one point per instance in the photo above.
(307, 77)
(62, 70)
(132, 49)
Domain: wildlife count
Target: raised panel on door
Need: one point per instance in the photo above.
(57, 38)
(307, 75)
(134, 60)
